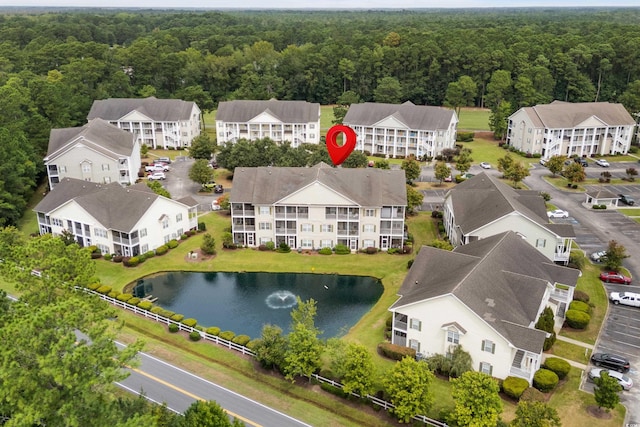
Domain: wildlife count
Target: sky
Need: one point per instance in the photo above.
(315, 4)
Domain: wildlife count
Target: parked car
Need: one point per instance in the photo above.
(603, 163)
(611, 361)
(627, 200)
(485, 165)
(614, 277)
(558, 213)
(156, 176)
(625, 298)
(582, 161)
(625, 382)
(218, 188)
(597, 256)
(166, 160)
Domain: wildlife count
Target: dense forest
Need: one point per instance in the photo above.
(54, 64)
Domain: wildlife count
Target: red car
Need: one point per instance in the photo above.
(613, 277)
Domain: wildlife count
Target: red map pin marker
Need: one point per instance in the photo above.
(339, 153)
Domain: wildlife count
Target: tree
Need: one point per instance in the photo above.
(357, 159)
(614, 256)
(516, 173)
(303, 353)
(463, 162)
(555, 164)
(477, 400)
(408, 386)
(271, 347)
(158, 188)
(353, 364)
(441, 171)
(200, 172)
(388, 91)
(606, 391)
(201, 147)
(411, 168)
(208, 245)
(505, 163)
(414, 199)
(574, 173)
(498, 119)
(535, 414)
(207, 414)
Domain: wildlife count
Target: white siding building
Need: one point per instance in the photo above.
(486, 297)
(400, 130)
(124, 221)
(565, 129)
(296, 122)
(96, 152)
(318, 207)
(158, 123)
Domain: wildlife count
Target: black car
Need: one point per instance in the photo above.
(627, 200)
(611, 361)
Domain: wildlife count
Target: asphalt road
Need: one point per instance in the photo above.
(162, 382)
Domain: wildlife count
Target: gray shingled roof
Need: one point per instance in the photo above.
(413, 116)
(483, 199)
(563, 115)
(114, 206)
(501, 278)
(160, 110)
(241, 111)
(365, 187)
(97, 134)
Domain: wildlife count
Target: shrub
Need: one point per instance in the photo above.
(514, 386)
(580, 296)
(284, 248)
(560, 366)
(577, 319)
(177, 317)
(342, 250)
(190, 322)
(131, 262)
(161, 250)
(371, 250)
(213, 330)
(395, 352)
(227, 335)
(173, 328)
(195, 336)
(108, 257)
(117, 258)
(145, 305)
(545, 380)
(104, 289)
(202, 226)
(172, 244)
(241, 339)
(325, 251)
(533, 395)
(580, 306)
(124, 297)
(134, 301)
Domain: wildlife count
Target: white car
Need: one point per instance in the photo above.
(602, 162)
(622, 379)
(558, 213)
(485, 165)
(625, 298)
(597, 256)
(157, 176)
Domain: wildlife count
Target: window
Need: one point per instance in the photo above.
(486, 368)
(415, 324)
(369, 228)
(306, 243)
(264, 210)
(144, 248)
(100, 232)
(265, 226)
(415, 344)
(143, 232)
(488, 346)
(327, 228)
(58, 222)
(540, 243)
(165, 222)
(453, 337)
(369, 212)
(179, 218)
(306, 227)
